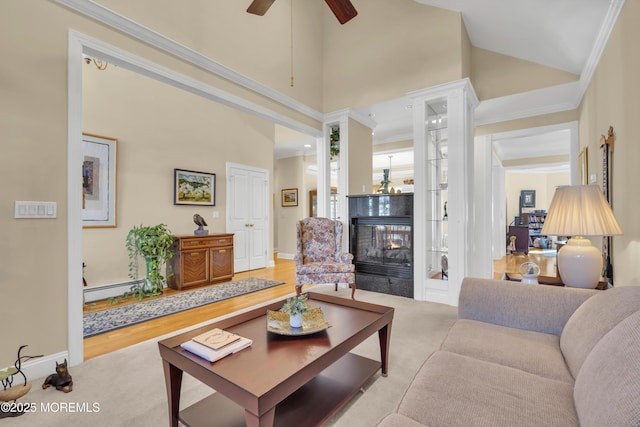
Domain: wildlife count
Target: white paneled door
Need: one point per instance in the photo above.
(248, 215)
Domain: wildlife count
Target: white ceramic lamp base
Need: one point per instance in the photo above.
(580, 263)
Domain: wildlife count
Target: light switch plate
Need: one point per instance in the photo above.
(35, 210)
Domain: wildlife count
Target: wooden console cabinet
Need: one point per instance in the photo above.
(200, 260)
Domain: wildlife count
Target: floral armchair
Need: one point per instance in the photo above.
(319, 258)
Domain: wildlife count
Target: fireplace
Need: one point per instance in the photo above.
(381, 241)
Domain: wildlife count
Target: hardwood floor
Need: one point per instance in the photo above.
(510, 263)
(110, 341)
(283, 271)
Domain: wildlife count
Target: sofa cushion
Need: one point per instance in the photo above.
(607, 389)
(456, 390)
(518, 305)
(397, 420)
(593, 319)
(533, 352)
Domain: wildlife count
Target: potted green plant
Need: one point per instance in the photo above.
(296, 307)
(334, 142)
(153, 243)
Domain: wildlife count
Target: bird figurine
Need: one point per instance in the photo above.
(201, 223)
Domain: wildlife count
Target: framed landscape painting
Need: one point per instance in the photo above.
(290, 197)
(99, 155)
(194, 188)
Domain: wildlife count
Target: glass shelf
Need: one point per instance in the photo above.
(437, 140)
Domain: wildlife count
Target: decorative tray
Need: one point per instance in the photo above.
(312, 322)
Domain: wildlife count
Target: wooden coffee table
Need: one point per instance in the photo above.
(280, 380)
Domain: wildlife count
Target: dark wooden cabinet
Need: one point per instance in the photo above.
(521, 234)
(200, 260)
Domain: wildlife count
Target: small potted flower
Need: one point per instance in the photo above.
(296, 307)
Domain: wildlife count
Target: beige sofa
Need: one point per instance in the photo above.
(532, 355)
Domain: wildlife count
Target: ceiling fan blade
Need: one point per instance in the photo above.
(343, 9)
(260, 7)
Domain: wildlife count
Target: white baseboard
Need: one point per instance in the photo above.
(101, 292)
(41, 367)
(285, 256)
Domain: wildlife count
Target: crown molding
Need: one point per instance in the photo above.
(335, 116)
(445, 88)
(537, 102)
(615, 7)
(152, 38)
(155, 71)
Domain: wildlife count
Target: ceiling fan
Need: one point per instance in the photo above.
(342, 9)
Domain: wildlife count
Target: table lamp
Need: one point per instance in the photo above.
(580, 211)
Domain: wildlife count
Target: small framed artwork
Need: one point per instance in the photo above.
(583, 168)
(290, 197)
(99, 157)
(528, 198)
(194, 188)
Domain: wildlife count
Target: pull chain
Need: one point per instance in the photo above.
(291, 43)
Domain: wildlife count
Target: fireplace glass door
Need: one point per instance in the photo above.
(384, 248)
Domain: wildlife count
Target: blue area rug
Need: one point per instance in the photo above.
(99, 322)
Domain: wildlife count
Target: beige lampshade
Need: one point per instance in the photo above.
(580, 210)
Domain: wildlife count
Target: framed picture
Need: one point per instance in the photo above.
(582, 167)
(528, 198)
(290, 197)
(99, 158)
(194, 188)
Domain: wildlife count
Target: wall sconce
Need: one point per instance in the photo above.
(99, 63)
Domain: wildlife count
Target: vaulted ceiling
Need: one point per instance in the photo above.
(567, 35)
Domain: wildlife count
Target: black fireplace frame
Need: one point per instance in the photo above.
(375, 210)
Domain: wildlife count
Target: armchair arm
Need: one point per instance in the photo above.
(539, 308)
(344, 257)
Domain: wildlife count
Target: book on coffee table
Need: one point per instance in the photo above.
(211, 354)
(216, 338)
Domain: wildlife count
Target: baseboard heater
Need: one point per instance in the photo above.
(100, 292)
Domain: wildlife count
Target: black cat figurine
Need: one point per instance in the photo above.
(61, 380)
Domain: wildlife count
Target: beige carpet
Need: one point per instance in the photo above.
(126, 387)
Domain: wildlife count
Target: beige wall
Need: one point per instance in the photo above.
(543, 184)
(33, 120)
(466, 50)
(494, 75)
(613, 99)
(528, 122)
(160, 128)
(360, 158)
(220, 29)
(383, 54)
(290, 173)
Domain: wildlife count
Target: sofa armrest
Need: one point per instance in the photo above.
(539, 308)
